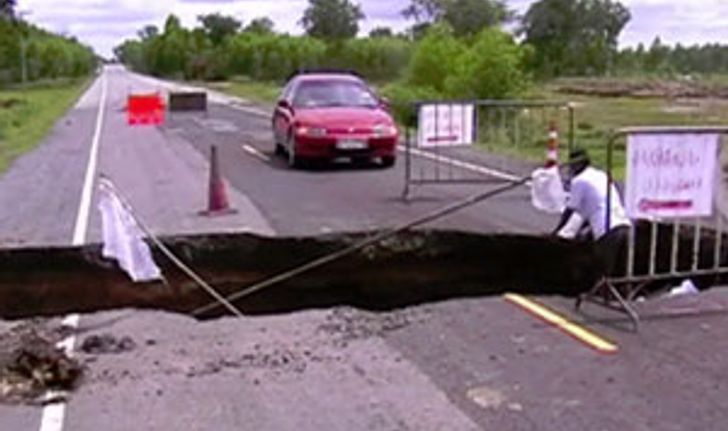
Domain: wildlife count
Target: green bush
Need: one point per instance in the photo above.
(378, 59)
(434, 59)
(403, 97)
(48, 56)
(272, 57)
(492, 68)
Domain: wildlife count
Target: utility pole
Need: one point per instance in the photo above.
(23, 60)
(23, 48)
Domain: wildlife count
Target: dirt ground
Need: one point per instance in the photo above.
(657, 88)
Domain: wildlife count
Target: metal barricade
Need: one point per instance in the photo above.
(665, 249)
(434, 146)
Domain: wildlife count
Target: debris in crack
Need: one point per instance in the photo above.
(31, 365)
(277, 360)
(107, 344)
(352, 324)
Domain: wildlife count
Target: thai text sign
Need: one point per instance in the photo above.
(671, 175)
(446, 125)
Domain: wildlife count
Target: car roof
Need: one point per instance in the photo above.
(325, 75)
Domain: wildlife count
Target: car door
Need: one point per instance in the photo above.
(283, 115)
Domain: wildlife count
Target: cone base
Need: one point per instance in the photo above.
(218, 213)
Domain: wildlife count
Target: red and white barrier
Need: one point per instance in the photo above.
(552, 147)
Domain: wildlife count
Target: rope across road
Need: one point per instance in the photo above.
(325, 260)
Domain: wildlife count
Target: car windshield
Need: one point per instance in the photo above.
(317, 94)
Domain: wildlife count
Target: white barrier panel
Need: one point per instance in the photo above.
(442, 125)
(670, 175)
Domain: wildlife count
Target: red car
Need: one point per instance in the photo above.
(330, 115)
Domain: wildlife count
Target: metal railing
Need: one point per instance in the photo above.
(663, 250)
(503, 129)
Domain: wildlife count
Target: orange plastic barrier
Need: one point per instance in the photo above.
(145, 109)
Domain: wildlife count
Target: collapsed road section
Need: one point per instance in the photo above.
(410, 268)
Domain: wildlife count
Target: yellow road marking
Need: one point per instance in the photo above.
(579, 332)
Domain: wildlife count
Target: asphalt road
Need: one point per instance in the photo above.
(458, 365)
(339, 197)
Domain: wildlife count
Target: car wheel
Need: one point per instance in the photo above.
(279, 150)
(293, 160)
(388, 161)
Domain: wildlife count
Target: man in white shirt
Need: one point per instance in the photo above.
(588, 198)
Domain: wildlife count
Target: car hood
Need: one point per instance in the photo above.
(343, 117)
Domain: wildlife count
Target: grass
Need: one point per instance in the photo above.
(27, 115)
(597, 118)
(255, 91)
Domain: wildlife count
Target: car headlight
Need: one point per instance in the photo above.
(382, 130)
(315, 132)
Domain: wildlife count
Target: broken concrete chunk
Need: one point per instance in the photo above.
(107, 344)
(31, 365)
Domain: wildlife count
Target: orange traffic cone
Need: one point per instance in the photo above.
(552, 148)
(218, 203)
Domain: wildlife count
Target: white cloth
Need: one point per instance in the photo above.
(547, 190)
(123, 239)
(572, 227)
(686, 288)
(588, 198)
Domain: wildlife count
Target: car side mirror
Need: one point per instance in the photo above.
(283, 103)
(385, 104)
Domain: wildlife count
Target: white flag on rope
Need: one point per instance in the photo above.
(122, 237)
(547, 190)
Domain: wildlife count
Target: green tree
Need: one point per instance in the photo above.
(219, 27)
(418, 30)
(657, 59)
(262, 25)
(7, 8)
(378, 58)
(148, 32)
(381, 32)
(491, 68)
(434, 58)
(131, 53)
(172, 24)
(574, 36)
(47, 55)
(466, 17)
(332, 19)
(168, 54)
(424, 10)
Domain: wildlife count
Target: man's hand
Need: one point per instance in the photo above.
(565, 216)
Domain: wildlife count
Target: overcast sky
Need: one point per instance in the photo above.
(105, 23)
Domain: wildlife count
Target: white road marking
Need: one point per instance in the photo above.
(84, 208)
(54, 414)
(461, 164)
(255, 152)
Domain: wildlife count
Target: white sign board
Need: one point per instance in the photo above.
(446, 124)
(671, 175)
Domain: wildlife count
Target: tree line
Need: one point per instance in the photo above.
(31, 53)
(453, 48)
(660, 59)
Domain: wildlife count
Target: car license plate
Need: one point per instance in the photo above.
(350, 144)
